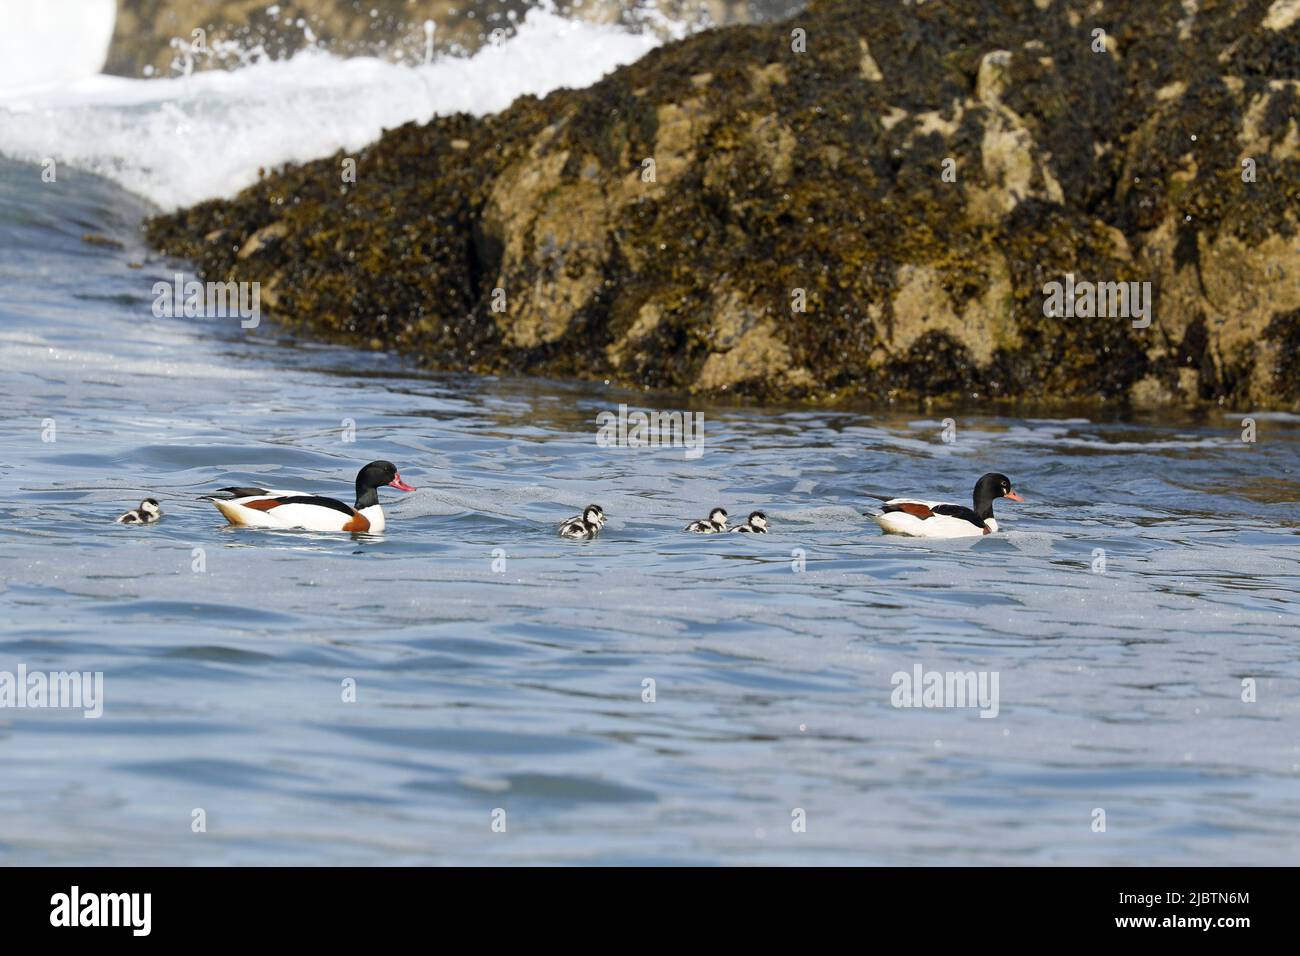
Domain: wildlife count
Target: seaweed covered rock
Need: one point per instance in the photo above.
(870, 199)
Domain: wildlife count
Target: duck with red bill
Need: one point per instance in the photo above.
(918, 518)
(265, 508)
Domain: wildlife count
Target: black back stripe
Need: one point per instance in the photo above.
(319, 502)
(245, 492)
(958, 511)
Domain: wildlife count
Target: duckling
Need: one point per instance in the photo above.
(715, 523)
(586, 525)
(148, 512)
(756, 524)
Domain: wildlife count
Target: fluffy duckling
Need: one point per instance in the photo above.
(148, 512)
(756, 524)
(586, 525)
(715, 523)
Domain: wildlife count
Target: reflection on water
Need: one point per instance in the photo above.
(498, 667)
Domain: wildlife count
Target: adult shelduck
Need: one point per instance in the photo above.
(265, 508)
(935, 519)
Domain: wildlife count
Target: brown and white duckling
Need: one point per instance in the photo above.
(586, 525)
(715, 523)
(755, 524)
(934, 519)
(148, 512)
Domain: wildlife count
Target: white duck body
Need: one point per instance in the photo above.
(307, 513)
(267, 508)
(934, 526)
(918, 518)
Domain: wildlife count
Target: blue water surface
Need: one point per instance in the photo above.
(648, 697)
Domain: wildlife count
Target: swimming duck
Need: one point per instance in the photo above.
(933, 519)
(586, 525)
(148, 512)
(755, 524)
(716, 522)
(265, 508)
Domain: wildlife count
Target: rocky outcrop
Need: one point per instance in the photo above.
(867, 200)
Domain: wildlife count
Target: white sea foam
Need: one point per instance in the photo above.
(53, 41)
(1286, 417)
(180, 140)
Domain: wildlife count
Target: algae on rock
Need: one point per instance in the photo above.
(874, 217)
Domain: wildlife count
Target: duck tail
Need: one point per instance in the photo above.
(228, 511)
